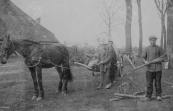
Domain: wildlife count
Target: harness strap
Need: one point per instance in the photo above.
(39, 59)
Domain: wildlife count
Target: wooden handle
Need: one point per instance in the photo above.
(83, 65)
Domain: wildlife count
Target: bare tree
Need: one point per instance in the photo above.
(162, 8)
(108, 11)
(128, 25)
(140, 27)
(170, 32)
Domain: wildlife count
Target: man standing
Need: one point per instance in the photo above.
(107, 58)
(154, 69)
(113, 71)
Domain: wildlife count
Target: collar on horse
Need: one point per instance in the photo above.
(39, 59)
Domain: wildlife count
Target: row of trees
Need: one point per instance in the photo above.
(109, 12)
(164, 8)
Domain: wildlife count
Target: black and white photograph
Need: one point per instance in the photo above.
(86, 55)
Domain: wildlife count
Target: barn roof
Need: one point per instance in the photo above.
(19, 25)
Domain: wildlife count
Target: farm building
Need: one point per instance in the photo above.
(18, 24)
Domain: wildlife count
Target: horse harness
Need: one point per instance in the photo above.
(39, 59)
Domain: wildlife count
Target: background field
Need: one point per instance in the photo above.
(16, 89)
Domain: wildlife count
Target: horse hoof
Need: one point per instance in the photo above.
(39, 98)
(33, 97)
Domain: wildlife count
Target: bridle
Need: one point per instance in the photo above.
(14, 49)
(5, 54)
(36, 58)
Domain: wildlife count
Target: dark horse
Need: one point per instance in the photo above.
(38, 56)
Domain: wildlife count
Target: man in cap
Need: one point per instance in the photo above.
(154, 69)
(113, 71)
(107, 59)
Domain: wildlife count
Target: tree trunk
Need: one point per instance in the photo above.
(164, 37)
(170, 34)
(128, 25)
(161, 39)
(140, 27)
(109, 31)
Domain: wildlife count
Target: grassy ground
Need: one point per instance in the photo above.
(16, 89)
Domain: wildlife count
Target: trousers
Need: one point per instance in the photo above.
(153, 77)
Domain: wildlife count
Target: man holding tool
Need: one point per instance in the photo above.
(153, 56)
(107, 66)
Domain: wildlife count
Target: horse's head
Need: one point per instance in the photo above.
(7, 49)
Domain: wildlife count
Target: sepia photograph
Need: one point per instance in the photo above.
(86, 55)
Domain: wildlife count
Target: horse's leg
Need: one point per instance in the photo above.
(64, 85)
(34, 78)
(67, 76)
(39, 77)
(60, 76)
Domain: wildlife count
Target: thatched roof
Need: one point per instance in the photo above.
(19, 25)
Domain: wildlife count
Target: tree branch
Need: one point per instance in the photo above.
(158, 5)
(108, 13)
(117, 25)
(104, 15)
(104, 20)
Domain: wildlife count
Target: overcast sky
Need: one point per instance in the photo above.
(78, 21)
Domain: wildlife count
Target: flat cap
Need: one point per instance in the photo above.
(152, 37)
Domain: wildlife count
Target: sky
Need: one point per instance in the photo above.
(79, 21)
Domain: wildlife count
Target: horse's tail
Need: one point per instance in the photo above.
(68, 74)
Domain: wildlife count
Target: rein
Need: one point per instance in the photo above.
(38, 58)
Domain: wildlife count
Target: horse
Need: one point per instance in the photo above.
(38, 56)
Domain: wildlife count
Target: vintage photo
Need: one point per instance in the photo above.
(86, 55)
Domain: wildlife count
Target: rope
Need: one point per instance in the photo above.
(55, 65)
(40, 58)
(35, 64)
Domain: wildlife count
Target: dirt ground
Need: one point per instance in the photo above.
(16, 89)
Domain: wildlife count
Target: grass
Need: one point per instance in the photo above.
(16, 90)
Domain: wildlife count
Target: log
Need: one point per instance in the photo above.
(146, 64)
(135, 96)
(130, 62)
(83, 65)
(116, 99)
(169, 83)
(139, 93)
(4, 107)
(128, 95)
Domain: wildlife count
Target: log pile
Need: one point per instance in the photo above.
(119, 96)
